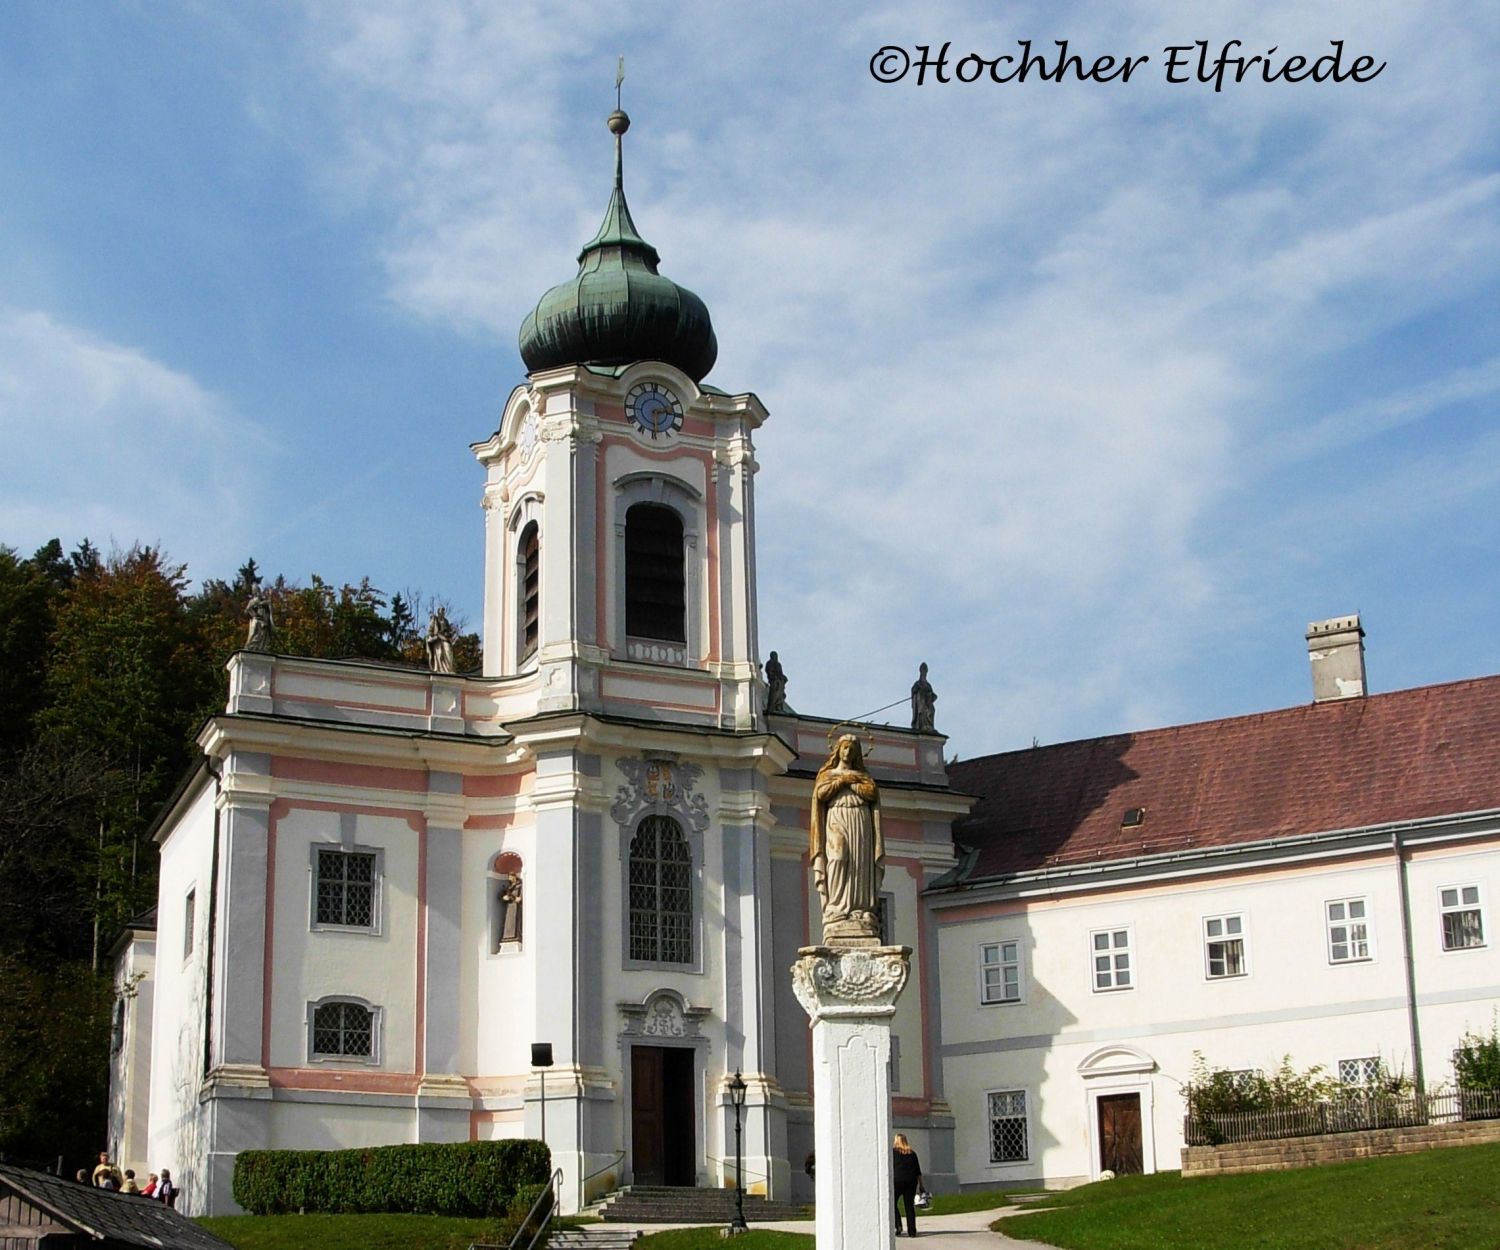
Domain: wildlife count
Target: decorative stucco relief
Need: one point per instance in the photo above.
(659, 783)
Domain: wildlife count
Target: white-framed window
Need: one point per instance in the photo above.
(999, 972)
(1224, 946)
(1348, 930)
(346, 887)
(343, 1028)
(1361, 1071)
(1010, 1140)
(1463, 917)
(1113, 963)
(189, 921)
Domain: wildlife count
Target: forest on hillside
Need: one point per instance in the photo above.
(109, 665)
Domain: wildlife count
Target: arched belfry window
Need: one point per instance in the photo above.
(528, 590)
(655, 581)
(661, 893)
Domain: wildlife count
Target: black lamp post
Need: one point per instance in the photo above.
(541, 1057)
(737, 1089)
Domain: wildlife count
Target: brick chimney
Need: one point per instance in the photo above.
(1336, 650)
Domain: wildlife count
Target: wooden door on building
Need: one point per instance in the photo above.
(1120, 1134)
(663, 1120)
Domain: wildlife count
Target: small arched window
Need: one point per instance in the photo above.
(343, 1029)
(529, 590)
(661, 893)
(655, 584)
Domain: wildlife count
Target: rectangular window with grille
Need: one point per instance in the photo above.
(661, 893)
(1348, 930)
(345, 888)
(1361, 1071)
(1463, 917)
(343, 1030)
(1008, 1137)
(1111, 953)
(1224, 946)
(999, 973)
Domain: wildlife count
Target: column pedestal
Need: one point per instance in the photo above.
(850, 995)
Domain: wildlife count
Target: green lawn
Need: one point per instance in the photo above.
(347, 1232)
(1439, 1200)
(953, 1204)
(711, 1239)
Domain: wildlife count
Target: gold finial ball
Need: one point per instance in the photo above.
(618, 122)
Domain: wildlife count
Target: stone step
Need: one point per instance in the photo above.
(592, 1237)
(668, 1204)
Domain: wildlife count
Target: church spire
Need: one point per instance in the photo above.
(618, 308)
(618, 228)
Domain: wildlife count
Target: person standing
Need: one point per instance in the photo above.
(906, 1172)
(166, 1191)
(106, 1175)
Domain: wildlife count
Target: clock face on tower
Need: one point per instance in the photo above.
(654, 409)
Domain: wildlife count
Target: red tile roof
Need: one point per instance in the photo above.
(1407, 755)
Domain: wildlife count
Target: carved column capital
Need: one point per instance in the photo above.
(850, 983)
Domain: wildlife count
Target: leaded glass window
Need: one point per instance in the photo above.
(343, 1029)
(661, 893)
(1008, 1142)
(346, 888)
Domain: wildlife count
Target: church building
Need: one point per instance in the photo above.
(383, 887)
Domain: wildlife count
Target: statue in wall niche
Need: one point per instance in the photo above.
(440, 638)
(776, 683)
(258, 610)
(510, 908)
(923, 703)
(846, 849)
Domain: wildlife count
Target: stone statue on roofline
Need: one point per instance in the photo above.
(440, 639)
(846, 849)
(258, 610)
(923, 703)
(776, 686)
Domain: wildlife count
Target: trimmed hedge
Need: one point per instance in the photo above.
(473, 1179)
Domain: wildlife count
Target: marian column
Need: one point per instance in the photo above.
(849, 987)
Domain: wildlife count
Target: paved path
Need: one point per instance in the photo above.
(969, 1230)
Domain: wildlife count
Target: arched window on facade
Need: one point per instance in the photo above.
(655, 583)
(661, 893)
(343, 1030)
(528, 590)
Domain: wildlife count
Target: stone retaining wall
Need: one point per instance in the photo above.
(1301, 1152)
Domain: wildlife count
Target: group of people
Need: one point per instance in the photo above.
(106, 1175)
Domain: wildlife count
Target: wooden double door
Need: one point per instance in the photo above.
(1120, 1149)
(663, 1116)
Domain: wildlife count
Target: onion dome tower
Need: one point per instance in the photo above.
(618, 309)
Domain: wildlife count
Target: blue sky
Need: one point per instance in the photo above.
(1090, 395)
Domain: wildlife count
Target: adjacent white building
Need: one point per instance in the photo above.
(382, 886)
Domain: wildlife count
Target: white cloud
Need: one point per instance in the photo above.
(1028, 348)
(103, 442)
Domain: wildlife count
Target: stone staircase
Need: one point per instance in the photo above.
(592, 1237)
(684, 1204)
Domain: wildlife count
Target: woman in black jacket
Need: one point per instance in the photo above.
(906, 1172)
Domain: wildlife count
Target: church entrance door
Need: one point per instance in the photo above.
(663, 1119)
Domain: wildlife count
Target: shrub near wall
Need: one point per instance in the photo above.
(471, 1179)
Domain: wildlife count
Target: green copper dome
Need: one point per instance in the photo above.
(619, 309)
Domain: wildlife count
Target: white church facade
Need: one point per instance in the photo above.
(383, 885)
